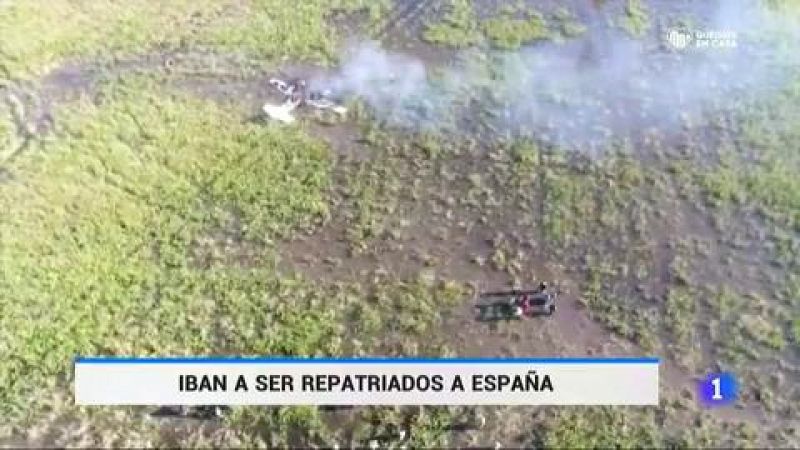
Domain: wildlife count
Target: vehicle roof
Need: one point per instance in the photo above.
(510, 292)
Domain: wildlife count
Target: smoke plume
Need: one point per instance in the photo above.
(581, 92)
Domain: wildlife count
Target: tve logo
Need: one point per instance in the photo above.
(718, 389)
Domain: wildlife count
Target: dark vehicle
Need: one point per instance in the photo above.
(206, 412)
(516, 304)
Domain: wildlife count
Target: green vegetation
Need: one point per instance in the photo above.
(755, 178)
(431, 429)
(568, 26)
(636, 20)
(35, 37)
(509, 29)
(254, 312)
(100, 226)
(349, 322)
(618, 313)
(726, 331)
(458, 28)
(7, 132)
(152, 222)
(680, 316)
(526, 155)
(372, 195)
(772, 186)
(427, 427)
(759, 174)
(741, 330)
(275, 28)
(760, 330)
(603, 428)
(508, 33)
(623, 428)
(577, 200)
(784, 7)
(568, 200)
(147, 228)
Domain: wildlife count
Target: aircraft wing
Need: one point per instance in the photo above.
(279, 112)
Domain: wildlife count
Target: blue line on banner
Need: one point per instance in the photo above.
(374, 360)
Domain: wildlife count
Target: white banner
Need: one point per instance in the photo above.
(369, 381)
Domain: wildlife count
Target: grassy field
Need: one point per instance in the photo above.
(147, 227)
(151, 220)
(508, 32)
(507, 29)
(101, 224)
(458, 28)
(37, 36)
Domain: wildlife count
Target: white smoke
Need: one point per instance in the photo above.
(581, 92)
(390, 83)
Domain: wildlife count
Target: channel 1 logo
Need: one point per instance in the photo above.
(718, 389)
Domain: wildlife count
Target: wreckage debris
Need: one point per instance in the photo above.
(296, 95)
